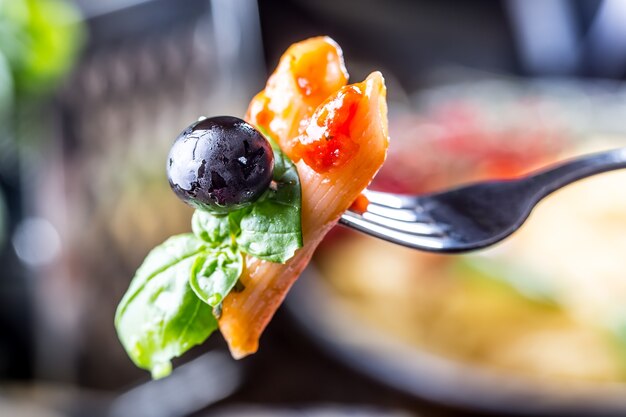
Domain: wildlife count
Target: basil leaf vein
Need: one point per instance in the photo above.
(214, 273)
(211, 228)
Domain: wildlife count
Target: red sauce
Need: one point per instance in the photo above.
(327, 142)
(264, 117)
(259, 113)
(360, 204)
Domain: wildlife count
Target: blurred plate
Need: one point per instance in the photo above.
(371, 351)
(451, 133)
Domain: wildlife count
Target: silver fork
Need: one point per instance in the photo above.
(474, 216)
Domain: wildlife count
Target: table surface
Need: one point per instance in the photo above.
(289, 372)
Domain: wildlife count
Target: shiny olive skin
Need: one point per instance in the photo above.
(220, 164)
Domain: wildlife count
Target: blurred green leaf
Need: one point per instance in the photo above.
(40, 39)
(526, 282)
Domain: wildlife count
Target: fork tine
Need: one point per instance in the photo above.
(410, 227)
(419, 241)
(389, 200)
(403, 214)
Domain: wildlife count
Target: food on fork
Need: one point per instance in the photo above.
(266, 191)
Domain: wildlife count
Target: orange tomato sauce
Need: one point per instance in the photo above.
(327, 143)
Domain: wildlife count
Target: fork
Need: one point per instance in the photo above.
(473, 216)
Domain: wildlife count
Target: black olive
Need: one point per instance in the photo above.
(220, 164)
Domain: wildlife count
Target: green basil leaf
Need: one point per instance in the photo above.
(272, 229)
(211, 228)
(235, 219)
(160, 317)
(214, 273)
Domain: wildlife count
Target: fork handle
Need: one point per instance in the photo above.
(545, 182)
